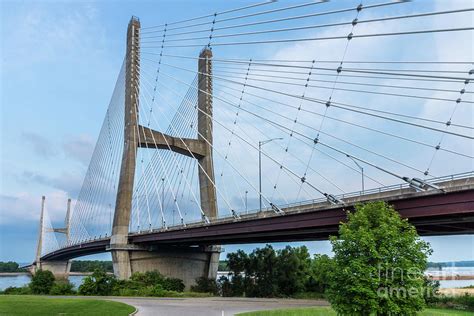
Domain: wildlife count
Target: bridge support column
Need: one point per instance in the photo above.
(60, 269)
(123, 206)
(185, 263)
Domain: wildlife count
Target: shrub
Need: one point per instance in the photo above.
(173, 284)
(62, 288)
(205, 285)
(148, 278)
(12, 290)
(463, 302)
(42, 282)
(99, 283)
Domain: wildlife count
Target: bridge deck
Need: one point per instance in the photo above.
(432, 212)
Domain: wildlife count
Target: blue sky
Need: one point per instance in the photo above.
(60, 62)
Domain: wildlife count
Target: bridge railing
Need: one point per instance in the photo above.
(394, 187)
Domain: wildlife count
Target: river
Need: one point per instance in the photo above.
(23, 279)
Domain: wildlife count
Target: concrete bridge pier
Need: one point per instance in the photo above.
(60, 269)
(185, 263)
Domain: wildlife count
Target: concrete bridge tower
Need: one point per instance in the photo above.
(60, 268)
(186, 263)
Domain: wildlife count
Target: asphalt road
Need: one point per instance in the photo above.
(215, 306)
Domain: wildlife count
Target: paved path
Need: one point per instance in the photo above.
(214, 306)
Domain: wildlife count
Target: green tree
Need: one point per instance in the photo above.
(379, 261)
(42, 282)
(99, 283)
(320, 271)
(292, 269)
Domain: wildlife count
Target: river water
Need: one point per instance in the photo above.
(23, 279)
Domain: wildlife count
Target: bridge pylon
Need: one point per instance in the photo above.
(186, 263)
(60, 268)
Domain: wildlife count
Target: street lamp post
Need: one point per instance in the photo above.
(246, 204)
(260, 144)
(361, 171)
(163, 201)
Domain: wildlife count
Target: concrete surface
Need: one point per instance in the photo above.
(213, 306)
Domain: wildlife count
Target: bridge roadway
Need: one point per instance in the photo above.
(432, 212)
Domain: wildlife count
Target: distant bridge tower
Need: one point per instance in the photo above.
(60, 268)
(186, 263)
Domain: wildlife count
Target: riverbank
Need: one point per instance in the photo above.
(451, 277)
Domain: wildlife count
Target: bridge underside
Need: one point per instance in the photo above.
(436, 214)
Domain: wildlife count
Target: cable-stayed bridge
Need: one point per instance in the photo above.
(208, 141)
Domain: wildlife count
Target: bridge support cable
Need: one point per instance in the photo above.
(100, 175)
(234, 214)
(85, 199)
(293, 155)
(285, 149)
(254, 147)
(314, 139)
(231, 138)
(406, 179)
(316, 26)
(207, 16)
(341, 121)
(207, 141)
(328, 102)
(286, 18)
(354, 90)
(152, 172)
(178, 165)
(449, 122)
(340, 105)
(203, 170)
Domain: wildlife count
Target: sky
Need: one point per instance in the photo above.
(59, 66)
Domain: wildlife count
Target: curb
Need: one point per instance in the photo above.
(134, 312)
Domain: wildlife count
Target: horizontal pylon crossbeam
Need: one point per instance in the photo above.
(193, 148)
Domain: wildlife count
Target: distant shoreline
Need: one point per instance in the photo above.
(13, 273)
(451, 277)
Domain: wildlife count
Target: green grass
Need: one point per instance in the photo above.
(327, 311)
(40, 305)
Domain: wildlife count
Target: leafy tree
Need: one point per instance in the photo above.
(378, 264)
(99, 283)
(292, 269)
(10, 266)
(42, 282)
(320, 271)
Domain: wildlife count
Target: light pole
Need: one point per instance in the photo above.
(361, 170)
(163, 201)
(246, 204)
(260, 144)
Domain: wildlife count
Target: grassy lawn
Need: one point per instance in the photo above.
(38, 305)
(323, 311)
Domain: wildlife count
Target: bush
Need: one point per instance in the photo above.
(463, 302)
(205, 285)
(12, 290)
(99, 283)
(62, 288)
(148, 278)
(42, 282)
(173, 284)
